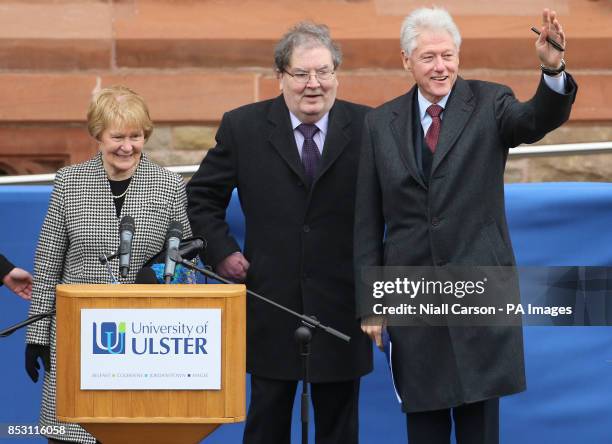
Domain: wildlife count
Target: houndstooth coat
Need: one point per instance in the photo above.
(81, 223)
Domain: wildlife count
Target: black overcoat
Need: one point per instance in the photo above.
(457, 218)
(299, 239)
(5, 267)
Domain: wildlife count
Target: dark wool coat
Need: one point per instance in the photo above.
(455, 217)
(299, 239)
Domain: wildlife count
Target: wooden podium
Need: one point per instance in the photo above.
(151, 416)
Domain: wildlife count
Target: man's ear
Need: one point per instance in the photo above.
(406, 61)
(279, 77)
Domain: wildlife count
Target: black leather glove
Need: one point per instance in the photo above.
(32, 353)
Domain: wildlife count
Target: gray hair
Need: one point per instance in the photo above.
(427, 19)
(309, 35)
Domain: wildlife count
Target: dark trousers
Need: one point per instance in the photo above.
(335, 411)
(476, 423)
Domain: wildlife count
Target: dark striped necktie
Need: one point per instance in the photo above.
(311, 157)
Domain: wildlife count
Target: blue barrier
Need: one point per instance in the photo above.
(569, 369)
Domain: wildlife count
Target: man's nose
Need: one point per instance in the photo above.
(439, 64)
(313, 81)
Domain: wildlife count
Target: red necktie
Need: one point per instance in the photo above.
(431, 138)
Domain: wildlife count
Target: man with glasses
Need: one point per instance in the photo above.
(294, 161)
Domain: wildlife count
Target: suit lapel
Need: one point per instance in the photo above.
(282, 138)
(337, 137)
(458, 110)
(401, 128)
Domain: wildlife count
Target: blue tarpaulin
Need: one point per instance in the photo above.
(569, 369)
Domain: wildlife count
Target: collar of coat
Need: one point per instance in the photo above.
(282, 139)
(457, 112)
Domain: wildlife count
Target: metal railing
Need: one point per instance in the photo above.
(522, 151)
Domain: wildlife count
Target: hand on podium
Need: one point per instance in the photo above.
(32, 353)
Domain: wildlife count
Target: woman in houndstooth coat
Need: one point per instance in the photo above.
(87, 203)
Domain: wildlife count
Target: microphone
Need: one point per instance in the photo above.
(126, 234)
(190, 248)
(173, 240)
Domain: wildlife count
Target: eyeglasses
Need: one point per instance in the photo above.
(304, 77)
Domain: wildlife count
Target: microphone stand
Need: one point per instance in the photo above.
(303, 336)
(13, 328)
(310, 321)
(105, 260)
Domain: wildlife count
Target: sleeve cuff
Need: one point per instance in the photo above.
(5, 267)
(556, 83)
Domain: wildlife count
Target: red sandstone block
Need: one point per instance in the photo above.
(377, 53)
(492, 53)
(55, 54)
(45, 97)
(171, 97)
(167, 34)
(228, 19)
(594, 98)
(73, 143)
(56, 19)
(225, 34)
(519, 53)
(191, 52)
(373, 89)
(202, 97)
(55, 35)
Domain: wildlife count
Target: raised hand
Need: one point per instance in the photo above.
(548, 55)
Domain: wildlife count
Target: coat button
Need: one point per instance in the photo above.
(306, 229)
(435, 221)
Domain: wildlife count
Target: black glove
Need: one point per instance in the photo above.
(32, 353)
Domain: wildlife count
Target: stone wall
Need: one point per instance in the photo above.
(194, 60)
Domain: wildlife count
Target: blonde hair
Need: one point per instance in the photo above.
(118, 106)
